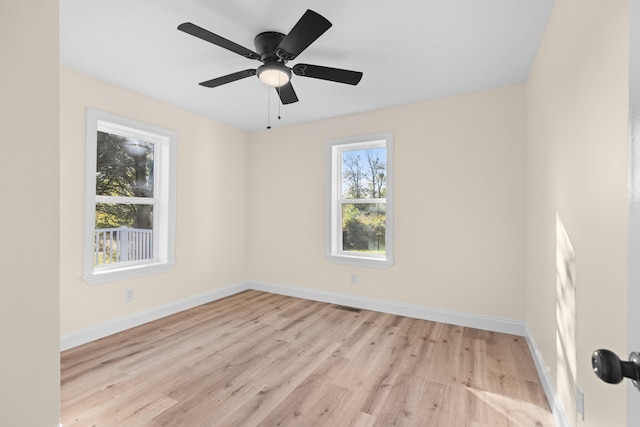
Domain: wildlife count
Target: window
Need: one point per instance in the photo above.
(130, 198)
(359, 228)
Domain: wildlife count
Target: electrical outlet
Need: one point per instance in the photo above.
(354, 279)
(128, 295)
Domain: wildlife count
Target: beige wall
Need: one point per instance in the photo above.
(29, 368)
(212, 177)
(459, 205)
(577, 166)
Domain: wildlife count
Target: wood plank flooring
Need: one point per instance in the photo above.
(259, 359)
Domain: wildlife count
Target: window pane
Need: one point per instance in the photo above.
(364, 174)
(363, 227)
(123, 233)
(124, 166)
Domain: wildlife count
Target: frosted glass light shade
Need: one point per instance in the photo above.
(274, 75)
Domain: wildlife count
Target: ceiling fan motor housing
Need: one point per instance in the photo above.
(266, 44)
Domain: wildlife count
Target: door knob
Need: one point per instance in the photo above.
(610, 369)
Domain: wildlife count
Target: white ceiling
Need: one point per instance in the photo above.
(408, 50)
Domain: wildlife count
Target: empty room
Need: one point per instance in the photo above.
(356, 213)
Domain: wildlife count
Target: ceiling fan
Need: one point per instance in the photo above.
(274, 50)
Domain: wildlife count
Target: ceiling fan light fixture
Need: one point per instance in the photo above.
(274, 74)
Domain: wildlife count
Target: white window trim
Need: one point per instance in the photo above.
(164, 221)
(333, 235)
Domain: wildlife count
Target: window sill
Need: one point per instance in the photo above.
(360, 261)
(130, 272)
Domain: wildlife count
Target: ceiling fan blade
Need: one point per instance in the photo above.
(327, 73)
(311, 26)
(287, 94)
(203, 34)
(228, 78)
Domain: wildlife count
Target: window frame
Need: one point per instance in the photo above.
(163, 201)
(334, 201)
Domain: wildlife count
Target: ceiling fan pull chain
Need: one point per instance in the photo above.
(268, 108)
(280, 86)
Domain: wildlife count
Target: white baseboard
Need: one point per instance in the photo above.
(101, 330)
(552, 397)
(488, 323)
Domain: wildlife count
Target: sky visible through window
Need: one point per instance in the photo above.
(364, 173)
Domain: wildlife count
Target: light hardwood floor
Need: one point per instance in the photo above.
(259, 359)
